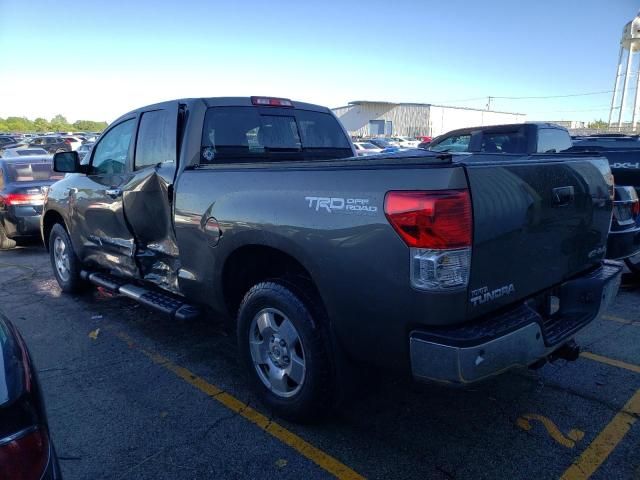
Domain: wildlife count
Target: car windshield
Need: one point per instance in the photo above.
(31, 171)
(368, 146)
(247, 134)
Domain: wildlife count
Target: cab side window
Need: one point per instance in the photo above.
(455, 143)
(156, 142)
(111, 153)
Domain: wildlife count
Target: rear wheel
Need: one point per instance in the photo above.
(284, 351)
(65, 263)
(5, 242)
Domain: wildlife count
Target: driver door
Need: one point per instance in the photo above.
(97, 203)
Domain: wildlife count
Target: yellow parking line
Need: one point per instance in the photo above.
(304, 448)
(611, 361)
(598, 451)
(613, 318)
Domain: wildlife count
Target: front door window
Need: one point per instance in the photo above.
(111, 154)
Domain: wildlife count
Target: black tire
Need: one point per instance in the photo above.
(314, 398)
(5, 242)
(70, 283)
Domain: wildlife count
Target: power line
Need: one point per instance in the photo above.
(556, 96)
(462, 100)
(598, 109)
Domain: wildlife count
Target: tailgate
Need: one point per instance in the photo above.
(537, 222)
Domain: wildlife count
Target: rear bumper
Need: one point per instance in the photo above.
(518, 337)
(23, 221)
(623, 243)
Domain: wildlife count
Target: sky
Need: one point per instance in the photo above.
(97, 60)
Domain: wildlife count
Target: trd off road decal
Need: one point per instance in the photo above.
(340, 204)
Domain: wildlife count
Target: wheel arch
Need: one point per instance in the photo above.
(50, 218)
(250, 264)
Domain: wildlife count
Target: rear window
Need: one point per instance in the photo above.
(31, 151)
(249, 134)
(31, 172)
(503, 142)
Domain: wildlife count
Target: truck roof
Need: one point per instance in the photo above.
(223, 102)
(505, 126)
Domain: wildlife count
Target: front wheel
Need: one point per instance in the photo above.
(283, 348)
(65, 263)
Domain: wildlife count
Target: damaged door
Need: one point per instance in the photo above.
(100, 227)
(148, 197)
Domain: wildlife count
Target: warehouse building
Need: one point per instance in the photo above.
(365, 118)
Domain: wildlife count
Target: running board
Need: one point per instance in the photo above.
(162, 302)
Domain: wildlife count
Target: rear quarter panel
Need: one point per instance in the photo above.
(358, 262)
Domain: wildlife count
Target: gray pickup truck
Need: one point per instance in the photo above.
(451, 268)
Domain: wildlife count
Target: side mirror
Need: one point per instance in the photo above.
(67, 162)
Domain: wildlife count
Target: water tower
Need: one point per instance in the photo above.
(624, 102)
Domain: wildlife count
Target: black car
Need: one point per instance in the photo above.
(26, 450)
(23, 184)
(7, 141)
(51, 144)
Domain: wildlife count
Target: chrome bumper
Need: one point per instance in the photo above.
(453, 361)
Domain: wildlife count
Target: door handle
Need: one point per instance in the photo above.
(114, 192)
(563, 196)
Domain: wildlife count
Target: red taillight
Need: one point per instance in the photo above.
(24, 458)
(271, 102)
(22, 199)
(635, 209)
(431, 219)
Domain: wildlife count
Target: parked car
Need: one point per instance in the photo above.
(364, 149)
(84, 149)
(51, 144)
(23, 184)
(73, 142)
(6, 140)
(23, 151)
(623, 153)
(536, 138)
(424, 142)
(257, 209)
(26, 448)
(406, 142)
(424, 138)
(385, 144)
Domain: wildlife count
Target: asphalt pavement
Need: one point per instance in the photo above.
(131, 395)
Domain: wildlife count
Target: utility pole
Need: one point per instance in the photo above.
(489, 103)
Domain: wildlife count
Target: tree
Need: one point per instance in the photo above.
(599, 124)
(59, 123)
(18, 124)
(41, 125)
(88, 126)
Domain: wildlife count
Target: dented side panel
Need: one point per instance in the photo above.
(148, 211)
